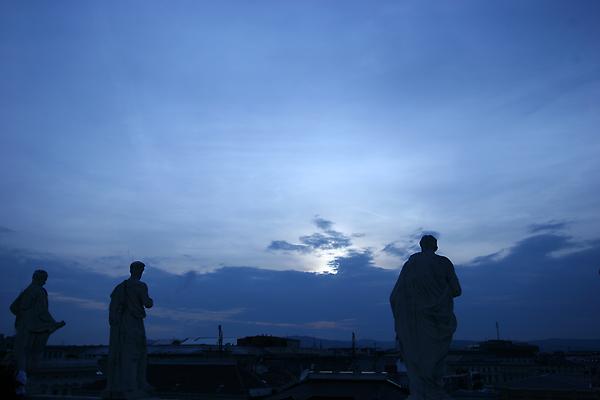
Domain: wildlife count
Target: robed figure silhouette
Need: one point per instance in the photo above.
(423, 307)
(127, 357)
(33, 324)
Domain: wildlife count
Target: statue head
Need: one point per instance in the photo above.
(40, 277)
(428, 243)
(137, 269)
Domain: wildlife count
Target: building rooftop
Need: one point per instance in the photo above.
(553, 382)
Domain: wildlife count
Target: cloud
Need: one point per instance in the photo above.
(393, 249)
(245, 300)
(550, 226)
(163, 312)
(490, 258)
(6, 231)
(527, 288)
(314, 325)
(286, 246)
(195, 315)
(532, 291)
(330, 239)
(322, 223)
(78, 301)
(354, 263)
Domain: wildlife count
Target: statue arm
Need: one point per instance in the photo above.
(42, 311)
(394, 294)
(453, 282)
(115, 308)
(395, 300)
(36, 316)
(146, 299)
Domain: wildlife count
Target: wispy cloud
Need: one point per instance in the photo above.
(79, 302)
(347, 324)
(490, 258)
(195, 315)
(6, 231)
(394, 249)
(550, 226)
(282, 245)
(175, 314)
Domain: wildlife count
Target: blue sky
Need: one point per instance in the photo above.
(287, 135)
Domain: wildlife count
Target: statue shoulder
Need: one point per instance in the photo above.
(139, 284)
(445, 261)
(411, 259)
(33, 291)
(118, 289)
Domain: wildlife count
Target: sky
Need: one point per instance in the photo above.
(270, 157)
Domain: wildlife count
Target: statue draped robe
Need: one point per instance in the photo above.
(127, 357)
(423, 307)
(33, 325)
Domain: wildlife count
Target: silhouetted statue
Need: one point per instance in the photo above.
(126, 368)
(423, 306)
(33, 324)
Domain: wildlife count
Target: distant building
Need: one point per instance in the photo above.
(520, 371)
(492, 363)
(551, 386)
(268, 341)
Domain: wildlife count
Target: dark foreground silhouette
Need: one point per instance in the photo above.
(423, 307)
(33, 324)
(127, 355)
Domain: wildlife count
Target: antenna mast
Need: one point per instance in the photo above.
(220, 341)
(497, 331)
